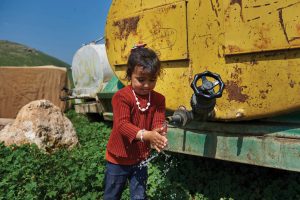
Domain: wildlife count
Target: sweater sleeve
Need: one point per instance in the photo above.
(121, 110)
(159, 115)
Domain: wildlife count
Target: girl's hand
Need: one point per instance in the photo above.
(161, 131)
(157, 141)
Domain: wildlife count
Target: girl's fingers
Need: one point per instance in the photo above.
(160, 130)
(163, 133)
(157, 149)
(159, 146)
(162, 145)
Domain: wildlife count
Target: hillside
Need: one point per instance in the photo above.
(14, 54)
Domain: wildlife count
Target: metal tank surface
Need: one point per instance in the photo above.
(252, 46)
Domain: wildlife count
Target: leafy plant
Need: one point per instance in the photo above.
(27, 173)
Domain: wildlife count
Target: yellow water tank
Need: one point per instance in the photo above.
(252, 45)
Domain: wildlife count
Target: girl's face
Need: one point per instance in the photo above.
(142, 82)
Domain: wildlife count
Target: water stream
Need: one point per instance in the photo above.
(153, 156)
(167, 164)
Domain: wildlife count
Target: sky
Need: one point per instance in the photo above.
(55, 27)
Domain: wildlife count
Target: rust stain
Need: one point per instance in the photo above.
(221, 51)
(263, 42)
(292, 39)
(236, 1)
(289, 5)
(160, 37)
(213, 8)
(114, 13)
(168, 8)
(124, 55)
(237, 72)
(263, 93)
(292, 83)
(156, 28)
(282, 25)
(240, 3)
(199, 3)
(235, 92)
(190, 71)
(279, 9)
(219, 54)
(255, 18)
(127, 26)
(107, 43)
(234, 48)
(184, 75)
(261, 5)
(125, 58)
(218, 3)
(123, 48)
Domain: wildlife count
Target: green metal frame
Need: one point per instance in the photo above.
(111, 88)
(106, 95)
(259, 143)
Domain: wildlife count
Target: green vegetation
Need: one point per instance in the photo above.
(14, 54)
(26, 173)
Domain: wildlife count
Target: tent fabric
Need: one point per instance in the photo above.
(21, 85)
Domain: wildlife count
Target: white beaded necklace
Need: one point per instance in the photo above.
(138, 103)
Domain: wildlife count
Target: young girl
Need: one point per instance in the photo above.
(139, 115)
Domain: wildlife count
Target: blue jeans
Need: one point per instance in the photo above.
(116, 177)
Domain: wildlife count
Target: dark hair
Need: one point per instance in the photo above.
(144, 57)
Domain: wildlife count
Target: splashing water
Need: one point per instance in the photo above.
(156, 154)
(144, 163)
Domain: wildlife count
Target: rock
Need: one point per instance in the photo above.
(5, 121)
(42, 123)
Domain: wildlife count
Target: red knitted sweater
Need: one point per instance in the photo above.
(122, 147)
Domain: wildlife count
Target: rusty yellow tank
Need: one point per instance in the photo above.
(253, 45)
